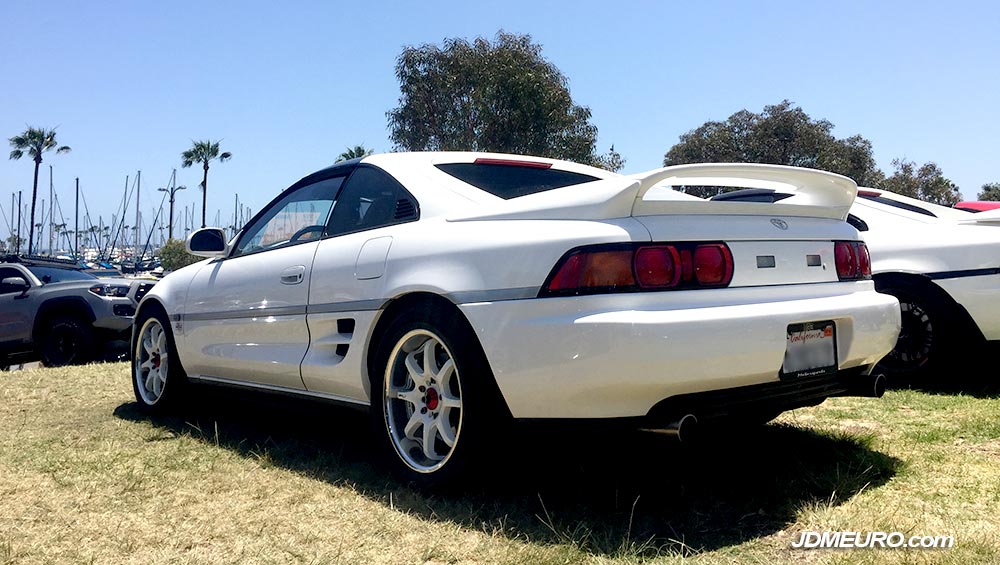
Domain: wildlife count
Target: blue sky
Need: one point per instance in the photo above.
(287, 86)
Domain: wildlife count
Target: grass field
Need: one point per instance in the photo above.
(85, 477)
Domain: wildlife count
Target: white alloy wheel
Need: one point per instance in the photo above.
(152, 361)
(422, 401)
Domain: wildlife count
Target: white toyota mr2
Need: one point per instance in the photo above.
(452, 292)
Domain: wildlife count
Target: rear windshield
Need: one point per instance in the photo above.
(898, 204)
(54, 274)
(511, 181)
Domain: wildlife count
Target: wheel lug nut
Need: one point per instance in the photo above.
(423, 410)
(422, 388)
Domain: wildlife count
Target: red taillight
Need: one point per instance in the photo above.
(601, 269)
(853, 260)
(513, 163)
(864, 261)
(657, 267)
(591, 270)
(713, 264)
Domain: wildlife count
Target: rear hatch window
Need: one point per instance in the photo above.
(510, 180)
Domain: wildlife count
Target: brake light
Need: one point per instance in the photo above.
(853, 261)
(633, 268)
(512, 163)
(657, 267)
(713, 264)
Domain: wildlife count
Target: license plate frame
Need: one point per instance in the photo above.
(810, 350)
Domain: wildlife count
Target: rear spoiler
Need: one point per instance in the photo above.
(813, 192)
(988, 217)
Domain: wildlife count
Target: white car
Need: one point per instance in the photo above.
(451, 292)
(943, 265)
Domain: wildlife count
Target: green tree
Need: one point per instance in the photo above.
(204, 152)
(501, 96)
(991, 191)
(173, 255)
(611, 161)
(781, 134)
(35, 142)
(355, 152)
(926, 183)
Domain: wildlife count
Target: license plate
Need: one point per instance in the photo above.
(810, 350)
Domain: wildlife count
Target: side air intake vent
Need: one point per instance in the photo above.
(405, 209)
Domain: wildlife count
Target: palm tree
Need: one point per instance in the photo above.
(203, 152)
(34, 141)
(354, 153)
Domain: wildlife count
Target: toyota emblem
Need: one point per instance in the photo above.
(780, 224)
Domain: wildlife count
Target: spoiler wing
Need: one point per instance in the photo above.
(814, 194)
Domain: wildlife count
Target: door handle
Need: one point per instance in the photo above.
(293, 275)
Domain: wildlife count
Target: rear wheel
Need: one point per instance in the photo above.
(433, 398)
(157, 377)
(66, 340)
(929, 335)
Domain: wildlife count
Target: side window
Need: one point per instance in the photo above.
(296, 217)
(5, 273)
(371, 199)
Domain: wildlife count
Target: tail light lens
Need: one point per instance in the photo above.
(713, 264)
(634, 268)
(853, 261)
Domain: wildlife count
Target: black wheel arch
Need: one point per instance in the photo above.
(924, 285)
(57, 307)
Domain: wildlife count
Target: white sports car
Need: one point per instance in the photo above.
(943, 265)
(451, 292)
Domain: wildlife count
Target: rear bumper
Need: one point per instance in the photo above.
(615, 356)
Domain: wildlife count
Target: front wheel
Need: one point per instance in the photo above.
(66, 340)
(157, 377)
(434, 400)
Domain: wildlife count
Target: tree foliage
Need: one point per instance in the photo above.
(500, 96)
(783, 134)
(34, 142)
(204, 152)
(173, 255)
(991, 191)
(925, 182)
(355, 152)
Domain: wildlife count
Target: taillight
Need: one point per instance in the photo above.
(633, 268)
(853, 261)
(657, 267)
(713, 264)
(594, 270)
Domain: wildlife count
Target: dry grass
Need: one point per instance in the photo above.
(86, 477)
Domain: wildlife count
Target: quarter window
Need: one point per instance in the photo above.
(371, 199)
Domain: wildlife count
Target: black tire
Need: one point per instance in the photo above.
(156, 388)
(471, 426)
(66, 340)
(929, 337)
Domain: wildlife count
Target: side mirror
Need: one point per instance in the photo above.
(208, 242)
(14, 284)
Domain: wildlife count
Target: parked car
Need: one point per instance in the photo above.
(943, 265)
(451, 292)
(977, 205)
(53, 311)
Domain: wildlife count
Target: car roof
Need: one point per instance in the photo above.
(440, 193)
